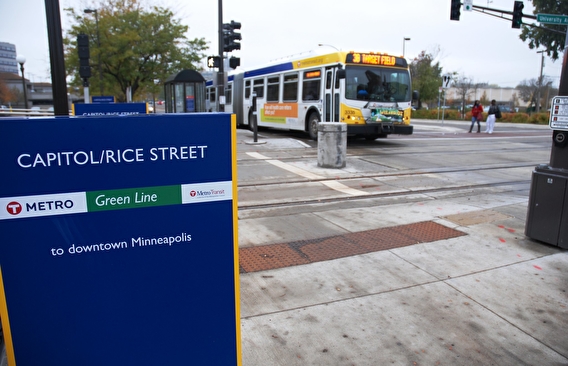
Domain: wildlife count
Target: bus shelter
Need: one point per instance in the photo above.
(185, 92)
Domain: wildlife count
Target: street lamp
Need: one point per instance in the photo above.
(156, 82)
(328, 45)
(89, 11)
(22, 60)
(404, 44)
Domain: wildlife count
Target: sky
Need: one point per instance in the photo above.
(480, 47)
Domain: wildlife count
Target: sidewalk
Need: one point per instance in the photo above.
(485, 295)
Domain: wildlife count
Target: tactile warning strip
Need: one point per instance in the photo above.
(262, 258)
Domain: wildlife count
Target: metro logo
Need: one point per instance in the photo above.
(43, 205)
(14, 208)
(192, 193)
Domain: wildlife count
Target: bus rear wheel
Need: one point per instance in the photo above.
(313, 121)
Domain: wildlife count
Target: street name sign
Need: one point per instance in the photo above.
(559, 113)
(108, 109)
(552, 19)
(102, 99)
(118, 240)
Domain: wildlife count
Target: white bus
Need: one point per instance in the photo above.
(370, 92)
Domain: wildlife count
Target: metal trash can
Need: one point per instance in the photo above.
(547, 216)
(332, 144)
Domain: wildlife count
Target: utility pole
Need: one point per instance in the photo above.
(539, 82)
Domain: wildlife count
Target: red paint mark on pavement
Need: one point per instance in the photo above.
(537, 267)
(510, 230)
(518, 255)
(501, 226)
(502, 240)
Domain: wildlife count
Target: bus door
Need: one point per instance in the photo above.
(331, 97)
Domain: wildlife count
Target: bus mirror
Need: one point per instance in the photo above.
(415, 95)
(341, 74)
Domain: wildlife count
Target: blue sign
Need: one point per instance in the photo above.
(102, 99)
(118, 240)
(109, 109)
(190, 103)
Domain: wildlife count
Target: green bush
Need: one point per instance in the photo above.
(520, 118)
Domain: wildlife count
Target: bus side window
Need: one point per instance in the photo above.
(328, 80)
(259, 88)
(291, 87)
(247, 89)
(272, 88)
(311, 85)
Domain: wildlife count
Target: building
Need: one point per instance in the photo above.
(8, 61)
(503, 96)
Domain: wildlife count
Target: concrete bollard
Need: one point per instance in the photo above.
(332, 144)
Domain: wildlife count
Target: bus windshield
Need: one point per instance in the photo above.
(378, 84)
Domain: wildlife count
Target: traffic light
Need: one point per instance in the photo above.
(230, 38)
(83, 50)
(517, 14)
(234, 62)
(213, 61)
(455, 10)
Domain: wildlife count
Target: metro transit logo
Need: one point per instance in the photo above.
(207, 192)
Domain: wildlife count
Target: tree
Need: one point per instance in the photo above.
(464, 87)
(552, 41)
(484, 100)
(6, 95)
(137, 46)
(426, 77)
(535, 91)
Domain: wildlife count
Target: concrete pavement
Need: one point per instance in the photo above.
(489, 297)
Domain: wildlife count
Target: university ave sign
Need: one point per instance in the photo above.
(552, 19)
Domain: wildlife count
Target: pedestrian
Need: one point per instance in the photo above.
(494, 112)
(476, 114)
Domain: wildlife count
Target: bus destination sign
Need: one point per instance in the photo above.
(375, 59)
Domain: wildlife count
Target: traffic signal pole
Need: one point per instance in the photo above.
(221, 72)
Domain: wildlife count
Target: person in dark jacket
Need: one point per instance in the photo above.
(493, 113)
(476, 115)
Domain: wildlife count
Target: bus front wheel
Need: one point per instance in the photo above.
(313, 126)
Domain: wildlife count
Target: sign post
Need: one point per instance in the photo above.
(118, 240)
